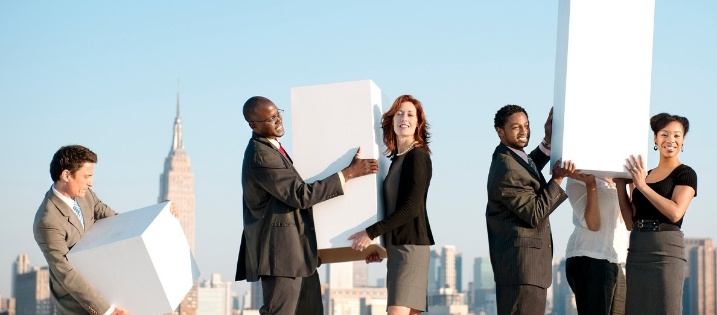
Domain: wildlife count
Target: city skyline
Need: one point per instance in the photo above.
(102, 75)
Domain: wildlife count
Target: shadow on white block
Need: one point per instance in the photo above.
(329, 123)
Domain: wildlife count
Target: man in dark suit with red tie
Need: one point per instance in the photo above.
(279, 240)
(519, 203)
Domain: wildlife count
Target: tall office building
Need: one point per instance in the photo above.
(447, 275)
(483, 297)
(699, 291)
(20, 266)
(360, 274)
(459, 272)
(214, 297)
(176, 183)
(256, 296)
(563, 297)
(7, 306)
(434, 269)
(340, 275)
(32, 293)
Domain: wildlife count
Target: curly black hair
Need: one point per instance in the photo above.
(501, 117)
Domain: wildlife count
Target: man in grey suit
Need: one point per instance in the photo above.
(519, 203)
(278, 244)
(69, 209)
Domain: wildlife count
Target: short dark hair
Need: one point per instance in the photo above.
(71, 158)
(501, 117)
(250, 106)
(661, 120)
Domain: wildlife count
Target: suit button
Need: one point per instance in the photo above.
(550, 245)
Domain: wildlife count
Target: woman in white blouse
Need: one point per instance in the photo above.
(597, 249)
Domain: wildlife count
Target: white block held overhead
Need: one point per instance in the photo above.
(602, 83)
(138, 260)
(329, 123)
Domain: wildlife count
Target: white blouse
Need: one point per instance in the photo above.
(611, 240)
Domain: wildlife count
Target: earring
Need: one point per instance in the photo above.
(655, 147)
(683, 148)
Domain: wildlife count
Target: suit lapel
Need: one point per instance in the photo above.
(268, 143)
(67, 212)
(522, 162)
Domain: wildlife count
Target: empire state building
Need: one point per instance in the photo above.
(176, 183)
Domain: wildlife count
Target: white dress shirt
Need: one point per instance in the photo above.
(610, 241)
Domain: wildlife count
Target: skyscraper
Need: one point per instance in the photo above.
(483, 286)
(447, 276)
(31, 289)
(20, 266)
(176, 183)
(214, 297)
(699, 291)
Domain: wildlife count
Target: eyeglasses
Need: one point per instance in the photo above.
(272, 119)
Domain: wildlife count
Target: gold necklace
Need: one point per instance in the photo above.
(410, 147)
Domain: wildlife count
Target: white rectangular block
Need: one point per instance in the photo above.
(602, 83)
(329, 123)
(138, 260)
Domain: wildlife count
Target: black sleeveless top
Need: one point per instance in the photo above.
(645, 210)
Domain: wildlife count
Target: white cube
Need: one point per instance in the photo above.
(602, 83)
(329, 123)
(139, 260)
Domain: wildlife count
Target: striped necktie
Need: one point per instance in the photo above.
(78, 212)
(532, 164)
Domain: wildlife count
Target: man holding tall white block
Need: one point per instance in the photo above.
(602, 83)
(279, 244)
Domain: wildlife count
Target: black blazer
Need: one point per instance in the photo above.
(279, 238)
(408, 224)
(519, 203)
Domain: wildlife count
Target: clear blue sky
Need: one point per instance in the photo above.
(103, 74)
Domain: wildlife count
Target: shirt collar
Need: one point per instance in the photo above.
(520, 153)
(69, 201)
(275, 143)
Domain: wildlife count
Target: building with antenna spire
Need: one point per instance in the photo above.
(176, 183)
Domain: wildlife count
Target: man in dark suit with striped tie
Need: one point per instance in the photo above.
(519, 203)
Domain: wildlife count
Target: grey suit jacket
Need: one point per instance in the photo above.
(57, 229)
(519, 203)
(279, 237)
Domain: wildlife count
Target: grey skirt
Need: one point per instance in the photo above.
(655, 273)
(407, 279)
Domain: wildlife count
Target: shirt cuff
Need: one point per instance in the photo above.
(110, 310)
(545, 150)
(341, 177)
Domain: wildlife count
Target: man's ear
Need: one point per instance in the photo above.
(252, 125)
(500, 132)
(65, 175)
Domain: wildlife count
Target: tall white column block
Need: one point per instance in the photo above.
(602, 83)
(138, 260)
(329, 123)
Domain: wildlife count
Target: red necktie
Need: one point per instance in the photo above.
(281, 149)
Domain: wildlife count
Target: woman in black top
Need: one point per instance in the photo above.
(405, 227)
(660, 198)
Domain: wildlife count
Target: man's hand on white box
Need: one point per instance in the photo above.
(360, 167)
(173, 209)
(120, 311)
